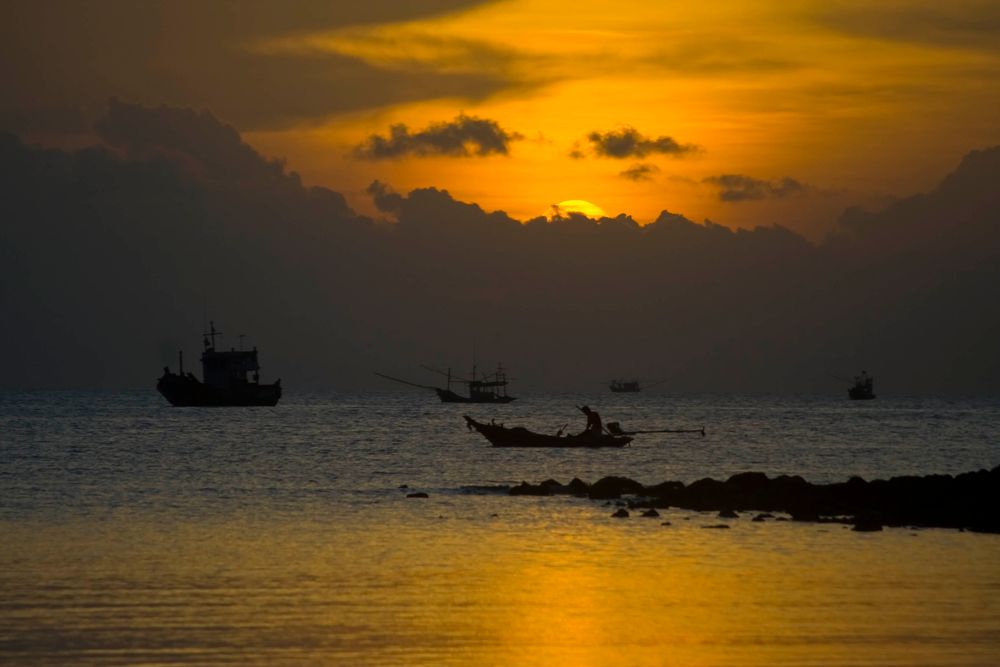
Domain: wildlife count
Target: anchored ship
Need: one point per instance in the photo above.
(225, 379)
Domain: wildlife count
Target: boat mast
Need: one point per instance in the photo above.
(212, 333)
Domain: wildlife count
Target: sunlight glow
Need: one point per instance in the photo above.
(577, 206)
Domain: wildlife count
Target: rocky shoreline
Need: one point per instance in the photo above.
(969, 501)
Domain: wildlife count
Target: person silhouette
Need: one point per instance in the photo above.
(594, 427)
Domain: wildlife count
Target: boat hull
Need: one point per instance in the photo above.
(448, 396)
(187, 391)
(501, 436)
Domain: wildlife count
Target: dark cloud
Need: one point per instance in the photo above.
(57, 73)
(628, 142)
(110, 254)
(642, 171)
(972, 24)
(466, 136)
(740, 188)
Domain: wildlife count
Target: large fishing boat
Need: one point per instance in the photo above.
(482, 389)
(225, 379)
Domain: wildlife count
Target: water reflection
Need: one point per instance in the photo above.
(445, 582)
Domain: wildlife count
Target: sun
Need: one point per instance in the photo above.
(578, 206)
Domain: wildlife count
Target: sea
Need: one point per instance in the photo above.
(136, 533)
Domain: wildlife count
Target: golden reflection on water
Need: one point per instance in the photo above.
(542, 584)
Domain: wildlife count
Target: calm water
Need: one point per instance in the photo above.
(137, 533)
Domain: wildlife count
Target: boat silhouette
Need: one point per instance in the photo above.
(225, 379)
(863, 389)
(502, 436)
(486, 389)
(629, 386)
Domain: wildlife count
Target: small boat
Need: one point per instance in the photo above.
(225, 379)
(863, 389)
(488, 389)
(501, 436)
(630, 386)
(625, 386)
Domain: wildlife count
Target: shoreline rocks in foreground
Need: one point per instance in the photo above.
(969, 501)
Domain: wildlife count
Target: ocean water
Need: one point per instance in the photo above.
(137, 533)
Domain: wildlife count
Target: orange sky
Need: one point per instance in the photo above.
(806, 106)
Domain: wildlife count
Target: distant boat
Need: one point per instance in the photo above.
(501, 436)
(863, 389)
(488, 389)
(625, 386)
(629, 386)
(225, 379)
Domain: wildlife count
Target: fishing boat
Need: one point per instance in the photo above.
(863, 389)
(518, 436)
(225, 379)
(481, 389)
(630, 386)
(625, 386)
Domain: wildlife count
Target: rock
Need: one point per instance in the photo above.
(763, 517)
(621, 514)
(666, 523)
(525, 489)
(717, 525)
(419, 494)
(728, 514)
(614, 487)
(553, 486)
(965, 501)
(651, 513)
(867, 522)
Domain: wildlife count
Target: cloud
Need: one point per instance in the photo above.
(110, 253)
(627, 142)
(211, 55)
(740, 188)
(466, 136)
(973, 24)
(642, 171)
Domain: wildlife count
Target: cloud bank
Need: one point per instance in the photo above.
(210, 55)
(110, 254)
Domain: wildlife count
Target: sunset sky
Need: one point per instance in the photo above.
(380, 185)
(743, 112)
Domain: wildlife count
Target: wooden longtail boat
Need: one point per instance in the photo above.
(501, 436)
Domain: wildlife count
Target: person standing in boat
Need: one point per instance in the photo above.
(594, 427)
